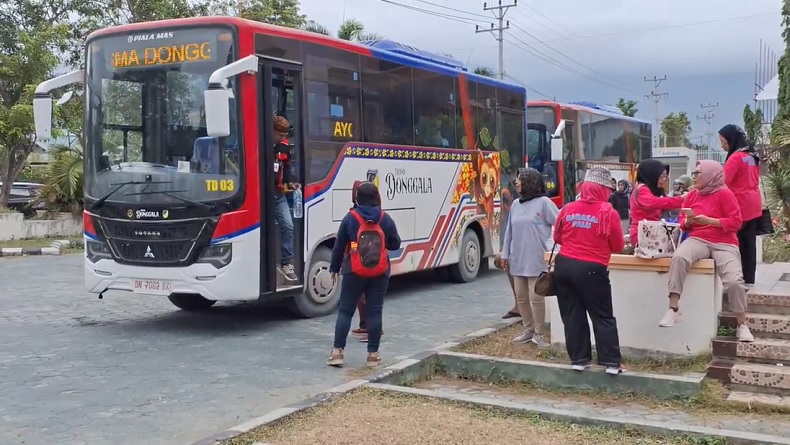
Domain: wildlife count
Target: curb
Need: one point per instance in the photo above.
(409, 366)
(54, 249)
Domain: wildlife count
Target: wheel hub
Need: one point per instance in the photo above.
(320, 285)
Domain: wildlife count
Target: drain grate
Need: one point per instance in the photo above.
(785, 277)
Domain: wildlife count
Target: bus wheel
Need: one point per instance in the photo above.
(190, 302)
(469, 262)
(320, 296)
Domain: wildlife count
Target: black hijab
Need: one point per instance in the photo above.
(649, 172)
(736, 140)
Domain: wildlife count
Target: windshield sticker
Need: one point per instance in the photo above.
(221, 185)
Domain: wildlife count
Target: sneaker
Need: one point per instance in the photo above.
(580, 368)
(335, 358)
(615, 370)
(287, 270)
(525, 337)
(359, 331)
(744, 334)
(541, 341)
(671, 318)
(373, 360)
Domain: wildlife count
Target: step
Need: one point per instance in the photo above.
(761, 324)
(768, 302)
(765, 350)
(753, 398)
(754, 376)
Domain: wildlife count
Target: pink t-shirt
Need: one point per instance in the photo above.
(645, 206)
(722, 205)
(742, 176)
(575, 232)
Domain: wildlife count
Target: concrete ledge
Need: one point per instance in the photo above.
(657, 428)
(54, 248)
(553, 375)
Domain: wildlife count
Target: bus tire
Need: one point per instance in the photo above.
(320, 297)
(190, 302)
(468, 266)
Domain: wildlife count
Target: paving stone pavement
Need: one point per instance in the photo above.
(134, 370)
(627, 412)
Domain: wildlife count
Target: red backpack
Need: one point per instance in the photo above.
(368, 254)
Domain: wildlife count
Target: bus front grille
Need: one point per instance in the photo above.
(156, 243)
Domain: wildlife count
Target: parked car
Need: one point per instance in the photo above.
(24, 196)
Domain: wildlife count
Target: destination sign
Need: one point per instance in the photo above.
(161, 49)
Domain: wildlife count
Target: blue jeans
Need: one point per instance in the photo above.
(282, 213)
(351, 288)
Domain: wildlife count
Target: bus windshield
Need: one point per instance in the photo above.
(146, 119)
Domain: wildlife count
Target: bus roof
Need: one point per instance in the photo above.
(590, 107)
(381, 49)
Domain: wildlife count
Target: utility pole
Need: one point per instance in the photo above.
(708, 118)
(499, 13)
(656, 97)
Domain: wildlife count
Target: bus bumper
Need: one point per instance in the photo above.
(238, 281)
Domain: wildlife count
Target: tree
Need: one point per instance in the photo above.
(753, 125)
(783, 99)
(317, 28)
(276, 12)
(676, 128)
(628, 107)
(27, 56)
(484, 71)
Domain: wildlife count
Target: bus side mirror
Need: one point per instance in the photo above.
(556, 150)
(217, 102)
(42, 116)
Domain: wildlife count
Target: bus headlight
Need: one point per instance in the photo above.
(97, 250)
(218, 255)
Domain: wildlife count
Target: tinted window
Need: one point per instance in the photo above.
(485, 106)
(585, 125)
(434, 109)
(512, 143)
(645, 142)
(511, 99)
(279, 47)
(387, 99)
(332, 86)
(610, 142)
(542, 115)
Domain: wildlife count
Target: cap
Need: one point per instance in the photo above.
(599, 175)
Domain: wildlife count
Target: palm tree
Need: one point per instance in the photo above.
(351, 29)
(64, 184)
(484, 71)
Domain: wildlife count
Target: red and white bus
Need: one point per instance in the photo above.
(564, 139)
(179, 166)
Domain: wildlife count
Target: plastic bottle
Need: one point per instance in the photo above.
(297, 209)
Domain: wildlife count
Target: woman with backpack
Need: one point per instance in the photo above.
(360, 252)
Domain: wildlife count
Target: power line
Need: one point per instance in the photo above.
(453, 9)
(660, 28)
(501, 11)
(455, 18)
(708, 118)
(547, 96)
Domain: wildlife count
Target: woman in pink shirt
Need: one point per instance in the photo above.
(711, 217)
(588, 231)
(742, 176)
(649, 198)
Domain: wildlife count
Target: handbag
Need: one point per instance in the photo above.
(657, 239)
(765, 225)
(545, 285)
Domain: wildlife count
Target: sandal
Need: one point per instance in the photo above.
(335, 358)
(373, 360)
(511, 314)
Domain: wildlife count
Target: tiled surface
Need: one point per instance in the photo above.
(766, 348)
(764, 399)
(769, 324)
(765, 376)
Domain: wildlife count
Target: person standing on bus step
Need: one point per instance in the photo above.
(363, 239)
(589, 232)
(742, 176)
(527, 231)
(284, 185)
(649, 198)
(712, 221)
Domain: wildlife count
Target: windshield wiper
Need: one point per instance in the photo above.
(99, 202)
(211, 207)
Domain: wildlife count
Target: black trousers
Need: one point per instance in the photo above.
(584, 288)
(747, 244)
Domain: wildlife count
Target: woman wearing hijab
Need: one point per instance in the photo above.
(352, 286)
(619, 201)
(742, 176)
(589, 232)
(528, 229)
(649, 197)
(712, 224)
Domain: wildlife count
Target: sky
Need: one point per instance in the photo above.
(595, 51)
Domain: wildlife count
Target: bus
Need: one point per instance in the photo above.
(565, 139)
(179, 160)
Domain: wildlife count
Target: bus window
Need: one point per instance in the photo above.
(485, 105)
(387, 102)
(434, 109)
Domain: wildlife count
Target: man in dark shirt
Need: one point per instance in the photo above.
(284, 185)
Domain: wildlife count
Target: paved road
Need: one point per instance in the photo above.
(134, 370)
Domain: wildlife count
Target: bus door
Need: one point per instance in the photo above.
(281, 92)
(569, 163)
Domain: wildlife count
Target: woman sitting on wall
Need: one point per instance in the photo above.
(649, 198)
(712, 222)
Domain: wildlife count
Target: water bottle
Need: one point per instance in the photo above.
(297, 209)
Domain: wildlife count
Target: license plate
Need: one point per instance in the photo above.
(153, 287)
